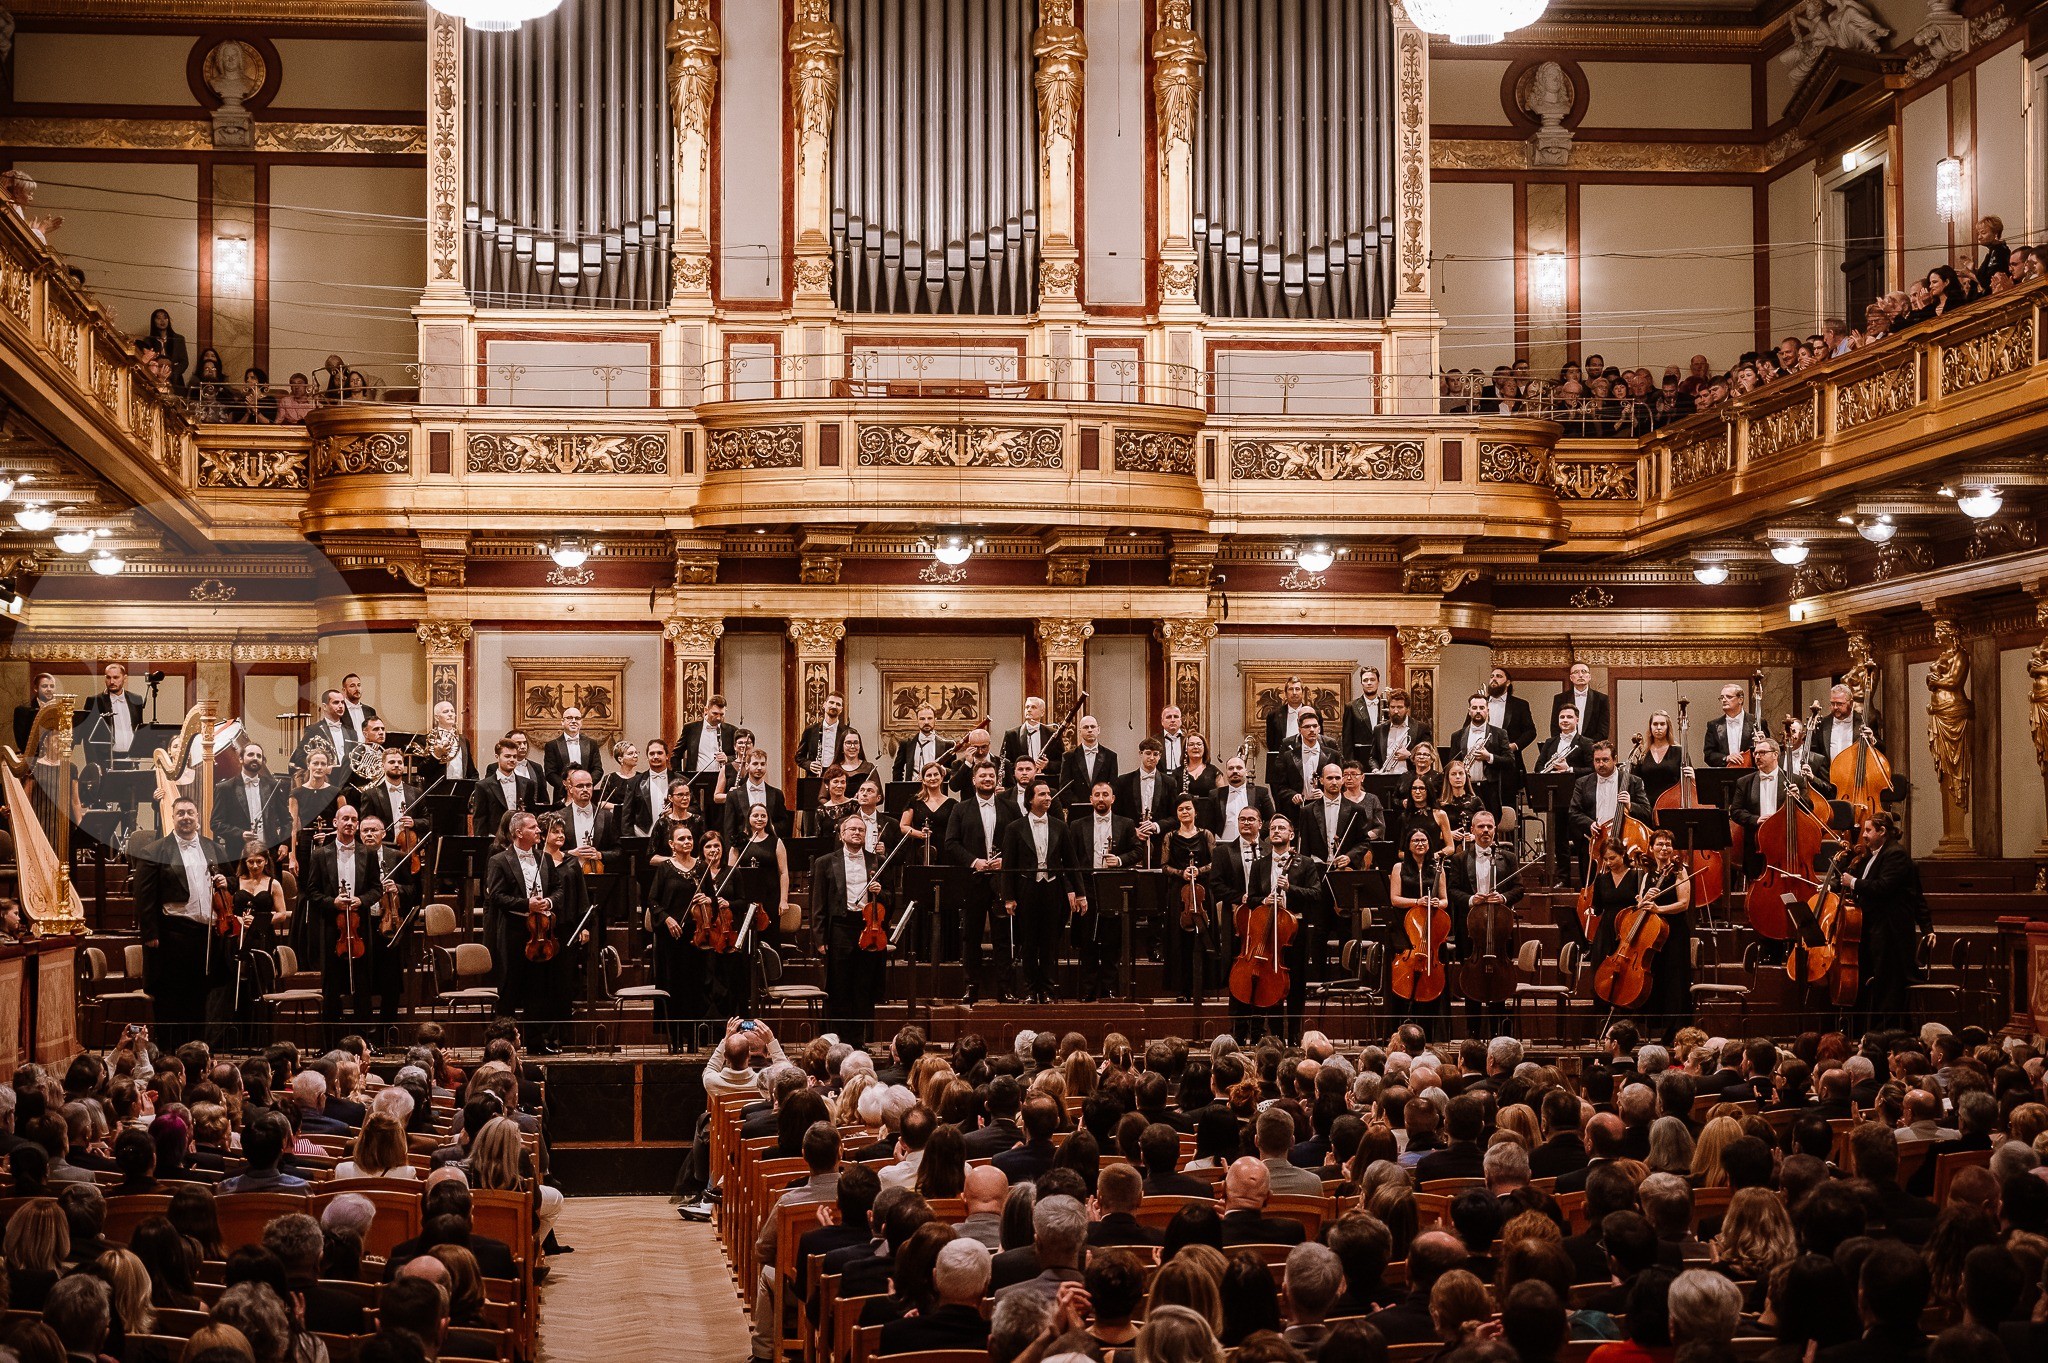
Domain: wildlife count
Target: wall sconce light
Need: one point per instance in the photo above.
(1791, 554)
(1710, 574)
(1547, 279)
(231, 259)
(1314, 558)
(1980, 503)
(1948, 188)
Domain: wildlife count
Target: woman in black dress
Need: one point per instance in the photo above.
(1662, 758)
(1615, 887)
(1191, 952)
(926, 816)
(1460, 802)
(1198, 776)
(678, 965)
(726, 971)
(1669, 891)
(833, 806)
(1417, 877)
(853, 761)
(1417, 812)
(763, 877)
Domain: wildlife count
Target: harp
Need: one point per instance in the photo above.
(44, 856)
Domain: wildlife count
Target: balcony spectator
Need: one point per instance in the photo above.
(170, 344)
(1997, 255)
(253, 404)
(332, 380)
(359, 387)
(297, 402)
(210, 395)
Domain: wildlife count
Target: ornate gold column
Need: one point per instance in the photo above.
(1062, 54)
(815, 49)
(695, 642)
(693, 52)
(817, 662)
(446, 643)
(1422, 650)
(1949, 712)
(1411, 165)
(1062, 651)
(2037, 702)
(1178, 57)
(444, 162)
(1187, 669)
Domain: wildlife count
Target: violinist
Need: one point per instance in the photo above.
(616, 790)
(1667, 890)
(974, 841)
(313, 804)
(761, 882)
(925, 817)
(1885, 884)
(1597, 796)
(1109, 841)
(750, 790)
(259, 898)
(1190, 941)
(252, 802)
(500, 791)
(1418, 874)
(391, 798)
(842, 882)
(557, 1005)
(1336, 829)
(386, 975)
(678, 965)
(522, 889)
(591, 829)
(174, 880)
(1733, 732)
(1479, 874)
(1045, 888)
(340, 888)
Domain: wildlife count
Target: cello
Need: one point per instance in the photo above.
(1838, 919)
(1258, 977)
(1418, 973)
(1859, 772)
(1492, 974)
(1790, 841)
(1635, 836)
(1812, 957)
(1709, 869)
(1623, 979)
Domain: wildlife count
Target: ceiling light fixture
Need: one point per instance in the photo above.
(107, 563)
(35, 517)
(77, 541)
(1948, 188)
(1547, 279)
(571, 552)
(1316, 558)
(953, 551)
(1877, 529)
(1710, 574)
(1791, 555)
(1474, 23)
(1980, 503)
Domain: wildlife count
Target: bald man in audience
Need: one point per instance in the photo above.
(986, 1191)
(1246, 1191)
(1407, 1321)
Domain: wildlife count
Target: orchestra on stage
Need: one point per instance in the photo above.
(1373, 858)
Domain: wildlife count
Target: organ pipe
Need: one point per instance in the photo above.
(567, 159)
(1293, 168)
(936, 158)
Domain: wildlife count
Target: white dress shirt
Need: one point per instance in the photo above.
(1041, 835)
(509, 784)
(453, 771)
(252, 792)
(1768, 793)
(1291, 725)
(1235, 798)
(708, 747)
(1312, 760)
(337, 734)
(124, 723)
(573, 747)
(1175, 753)
(1031, 741)
(1482, 870)
(396, 795)
(1497, 711)
(198, 907)
(345, 867)
(1606, 791)
(1476, 741)
(1103, 824)
(1735, 725)
(657, 791)
(529, 870)
(583, 825)
(924, 749)
(1841, 734)
(1330, 808)
(987, 809)
(856, 881)
(355, 713)
(1146, 786)
(1397, 739)
(1579, 703)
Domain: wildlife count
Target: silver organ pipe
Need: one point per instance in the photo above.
(1293, 178)
(568, 159)
(936, 157)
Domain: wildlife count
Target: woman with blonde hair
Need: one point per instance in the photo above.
(1756, 1235)
(496, 1163)
(380, 1151)
(1053, 1085)
(1671, 1148)
(1182, 1285)
(1716, 1136)
(922, 1070)
(37, 1243)
(129, 1279)
(847, 1111)
(1080, 1073)
(1457, 1302)
(218, 1336)
(1176, 1334)
(1520, 1118)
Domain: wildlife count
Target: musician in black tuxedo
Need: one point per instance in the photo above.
(645, 796)
(522, 872)
(590, 830)
(1236, 793)
(360, 712)
(920, 748)
(694, 751)
(1836, 731)
(343, 873)
(1510, 714)
(1087, 762)
(392, 797)
(1305, 888)
(1733, 730)
(1104, 840)
(975, 749)
(498, 792)
(250, 798)
(332, 727)
(172, 883)
(460, 764)
(1566, 749)
(546, 794)
(1296, 766)
(841, 882)
(817, 747)
(753, 789)
(1596, 797)
(1283, 721)
(1032, 739)
(1332, 828)
(1146, 795)
(25, 715)
(1486, 751)
(1885, 884)
(570, 748)
(386, 976)
(974, 841)
(1172, 739)
(1481, 869)
(1361, 717)
(1761, 793)
(1596, 713)
(1397, 734)
(1044, 887)
(109, 720)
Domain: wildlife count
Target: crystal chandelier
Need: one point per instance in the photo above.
(1474, 23)
(496, 16)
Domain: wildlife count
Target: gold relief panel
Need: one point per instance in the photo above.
(1776, 432)
(1187, 692)
(1876, 396)
(956, 688)
(60, 331)
(444, 636)
(756, 447)
(1373, 461)
(693, 634)
(1674, 158)
(106, 378)
(542, 688)
(149, 134)
(1412, 162)
(17, 291)
(2006, 347)
(1706, 457)
(1139, 451)
(263, 470)
(591, 452)
(1326, 687)
(961, 447)
(1500, 463)
(444, 171)
(341, 456)
(1618, 480)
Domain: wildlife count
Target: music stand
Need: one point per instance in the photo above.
(1358, 893)
(807, 789)
(1701, 829)
(1127, 888)
(1715, 783)
(1385, 786)
(467, 857)
(1550, 792)
(605, 889)
(445, 814)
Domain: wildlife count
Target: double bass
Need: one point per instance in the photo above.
(1709, 869)
(1828, 950)
(1790, 841)
(1418, 973)
(1258, 977)
(1753, 713)
(1859, 772)
(1633, 832)
(1491, 975)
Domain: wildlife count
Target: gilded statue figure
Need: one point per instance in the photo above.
(1948, 714)
(1178, 57)
(815, 48)
(1061, 51)
(2037, 703)
(693, 52)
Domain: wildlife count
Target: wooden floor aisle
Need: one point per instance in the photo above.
(643, 1286)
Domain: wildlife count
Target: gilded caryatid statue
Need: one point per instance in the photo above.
(1948, 728)
(1177, 61)
(693, 52)
(2037, 701)
(1062, 54)
(815, 49)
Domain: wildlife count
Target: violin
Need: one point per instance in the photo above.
(1623, 979)
(874, 914)
(715, 929)
(225, 922)
(1790, 841)
(1747, 757)
(1634, 833)
(1491, 975)
(1859, 773)
(1709, 869)
(1258, 977)
(1418, 973)
(541, 945)
(348, 931)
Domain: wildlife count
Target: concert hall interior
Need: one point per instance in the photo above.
(616, 593)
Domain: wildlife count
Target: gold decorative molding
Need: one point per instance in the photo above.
(391, 16)
(1704, 456)
(1138, 451)
(756, 447)
(149, 134)
(1177, 278)
(1782, 430)
(266, 470)
(1583, 480)
(962, 447)
(1411, 160)
(1875, 396)
(1064, 636)
(2004, 346)
(212, 591)
(1189, 635)
(1737, 655)
(444, 160)
(156, 646)
(1644, 158)
(813, 635)
(582, 452)
(1436, 580)
(444, 636)
(1423, 645)
(815, 49)
(343, 456)
(1376, 461)
(1501, 463)
(1178, 57)
(1949, 712)
(693, 634)
(694, 49)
